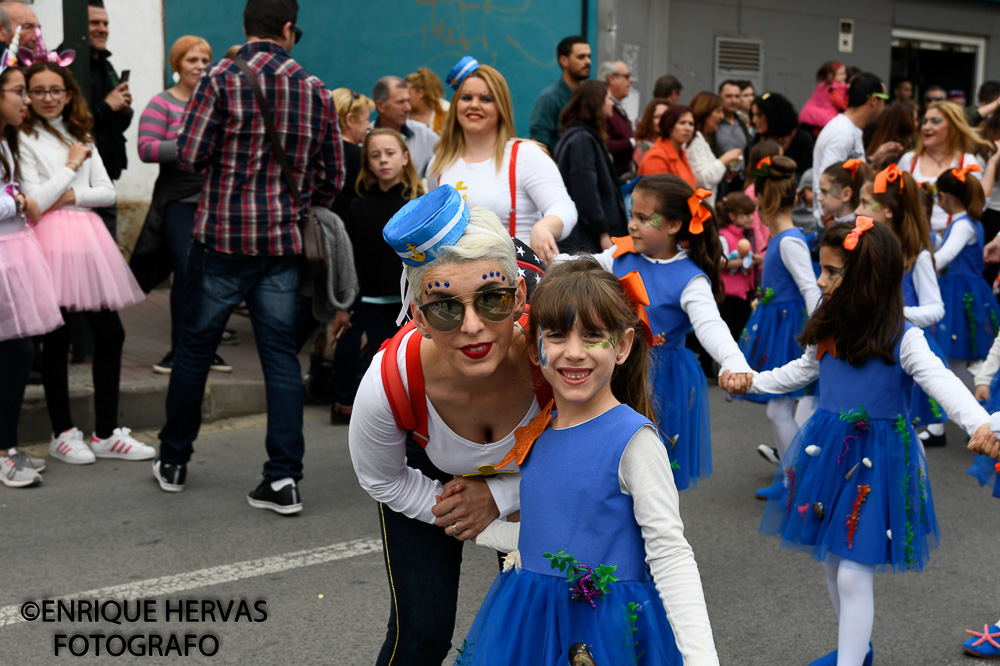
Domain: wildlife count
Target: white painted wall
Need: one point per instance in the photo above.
(136, 43)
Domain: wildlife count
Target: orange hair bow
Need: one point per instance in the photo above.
(699, 214)
(635, 290)
(861, 225)
(890, 174)
(964, 171)
(852, 166)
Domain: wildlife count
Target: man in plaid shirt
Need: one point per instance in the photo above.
(247, 243)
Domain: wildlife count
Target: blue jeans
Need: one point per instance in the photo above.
(178, 230)
(215, 283)
(379, 322)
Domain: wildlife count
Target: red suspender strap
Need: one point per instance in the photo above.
(418, 397)
(513, 187)
(392, 381)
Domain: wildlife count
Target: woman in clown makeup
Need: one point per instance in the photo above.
(437, 409)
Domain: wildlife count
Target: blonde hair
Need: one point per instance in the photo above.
(484, 238)
(349, 102)
(426, 80)
(451, 146)
(182, 46)
(366, 179)
(962, 138)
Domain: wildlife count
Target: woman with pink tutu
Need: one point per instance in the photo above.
(62, 170)
(28, 303)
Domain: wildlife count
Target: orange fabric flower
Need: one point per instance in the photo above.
(699, 214)
(635, 290)
(766, 160)
(960, 174)
(861, 225)
(890, 174)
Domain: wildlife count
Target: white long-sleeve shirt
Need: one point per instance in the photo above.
(699, 305)
(930, 308)
(708, 169)
(990, 366)
(916, 359)
(45, 176)
(962, 233)
(795, 256)
(540, 188)
(644, 474)
(378, 451)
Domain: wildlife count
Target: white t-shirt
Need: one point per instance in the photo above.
(378, 451)
(840, 140)
(939, 218)
(540, 188)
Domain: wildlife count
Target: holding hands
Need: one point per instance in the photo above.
(737, 384)
(465, 507)
(984, 442)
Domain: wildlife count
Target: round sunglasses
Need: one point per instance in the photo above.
(445, 315)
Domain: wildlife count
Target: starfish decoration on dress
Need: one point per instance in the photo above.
(986, 636)
(525, 436)
(520, 251)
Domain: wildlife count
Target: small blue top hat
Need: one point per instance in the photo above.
(423, 226)
(465, 66)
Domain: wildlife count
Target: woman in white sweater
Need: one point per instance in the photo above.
(708, 170)
(62, 171)
(479, 155)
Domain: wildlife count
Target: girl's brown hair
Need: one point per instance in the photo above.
(586, 106)
(645, 130)
(451, 145)
(11, 171)
(704, 249)
(865, 314)
(777, 189)
(735, 203)
(841, 178)
(581, 288)
(827, 71)
(79, 122)
(702, 106)
(412, 187)
(968, 190)
(426, 80)
(760, 150)
(902, 198)
(895, 123)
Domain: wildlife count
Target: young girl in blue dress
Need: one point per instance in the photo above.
(856, 493)
(788, 294)
(893, 198)
(601, 557)
(971, 316)
(673, 244)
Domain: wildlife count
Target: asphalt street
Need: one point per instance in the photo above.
(314, 585)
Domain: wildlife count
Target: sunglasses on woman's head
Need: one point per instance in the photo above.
(936, 120)
(445, 315)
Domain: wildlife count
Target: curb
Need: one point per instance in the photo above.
(142, 405)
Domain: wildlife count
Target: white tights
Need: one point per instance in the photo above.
(805, 408)
(852, 592)
(781, 411)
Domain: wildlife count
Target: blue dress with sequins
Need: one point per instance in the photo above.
(855, 477)
(571, 500)
(923, 408)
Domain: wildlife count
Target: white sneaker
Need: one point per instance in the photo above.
(16, 471)
(122, 445)
(69, 448)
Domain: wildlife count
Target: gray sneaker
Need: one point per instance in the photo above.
(16, 470)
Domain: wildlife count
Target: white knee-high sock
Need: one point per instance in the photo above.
(856, 585)
(831, 585)
(781, 411)
(804, 409)
(935, 429)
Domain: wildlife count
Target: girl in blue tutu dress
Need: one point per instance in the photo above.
(856, 493)
(788, 294)
(601, 555)
(892, 197)
(673, 244)
(987, 381)
(971, 316)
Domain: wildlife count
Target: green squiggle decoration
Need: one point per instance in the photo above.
(971, 318)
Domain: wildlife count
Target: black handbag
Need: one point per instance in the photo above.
(313, 243)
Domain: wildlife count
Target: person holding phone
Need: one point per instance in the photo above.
(111, 104)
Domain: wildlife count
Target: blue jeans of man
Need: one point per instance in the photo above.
(215, 283)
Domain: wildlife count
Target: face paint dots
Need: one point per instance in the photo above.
(495, 274)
